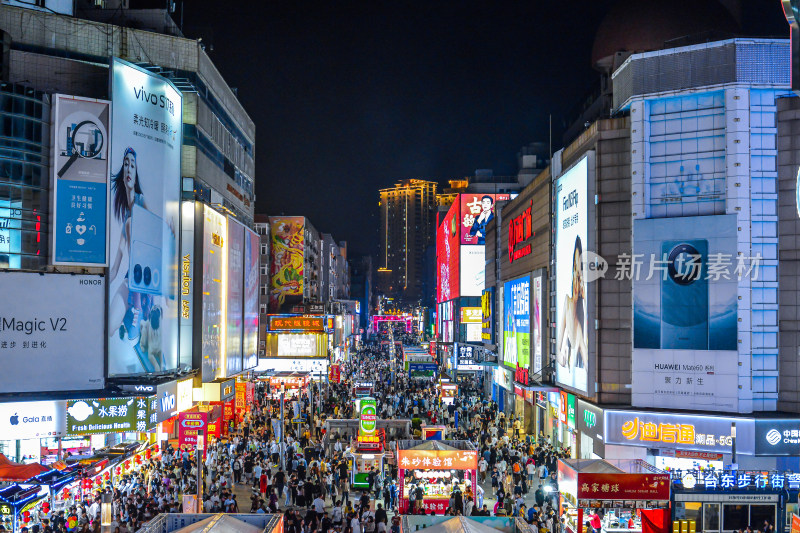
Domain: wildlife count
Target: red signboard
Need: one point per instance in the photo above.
(249, 395)
(477, 211)
(189, 425)
(432, 348)
(335, 374)
(228, 410)
(241, 400)
(521, 375)
(447, 257)
(305, 323)
(623, 486)
(520, 229)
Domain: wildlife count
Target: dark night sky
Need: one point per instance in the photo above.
(349, 97)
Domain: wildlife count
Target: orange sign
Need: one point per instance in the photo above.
(290, 382)
(795, 524)
(335, 373)
(369, 439)
(296, 323)
(438, 459)
(669, 433)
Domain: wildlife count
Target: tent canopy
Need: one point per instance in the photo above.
(220, 523)
(460, 524)
(11, 471)
(592, 466)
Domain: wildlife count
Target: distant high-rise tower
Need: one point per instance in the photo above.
(408, 227)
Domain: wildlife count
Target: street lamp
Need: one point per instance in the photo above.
(733, 446)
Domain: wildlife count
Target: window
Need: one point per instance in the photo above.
(688, 511)
(735, 517)
(265, 270)
(263, 309)
(263, 290)
(760, 513)
(264, 249)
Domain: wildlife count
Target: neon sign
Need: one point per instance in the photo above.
(520, 229)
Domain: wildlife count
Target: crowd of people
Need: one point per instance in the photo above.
(307, 476)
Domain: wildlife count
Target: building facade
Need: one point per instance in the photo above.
(408, 227)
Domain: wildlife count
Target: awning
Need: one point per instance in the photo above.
(11, 471)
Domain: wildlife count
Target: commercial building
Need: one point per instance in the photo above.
(189, 158)
(408, 226)
(362, 286)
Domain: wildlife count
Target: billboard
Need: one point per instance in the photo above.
(685, 315)
(51, 343)
(537, 323)
(286, 255)
(777, 436)
(190, 425)
(572, 334)
(214, 258)
(187, 280)
(107, 415)
(145, 193)
(33, 420)
(487, 315)
(252, 259)
(299, 345)
(684, 432)
(235, 297)
(80, 189)
(476, 212)
(517, 323)
(447, 257)
(368, 416)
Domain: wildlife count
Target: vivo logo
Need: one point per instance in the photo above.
(144, 388)
(158, 100)
(167, 402)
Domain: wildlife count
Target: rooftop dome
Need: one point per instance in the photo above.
(644, 25)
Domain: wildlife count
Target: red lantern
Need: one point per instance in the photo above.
(119, 470)
(26, 515)
(46, 507)
(148, 454)
(107, 475)
(138, 459)
(155, 448)
(128, 463)
(65, 494)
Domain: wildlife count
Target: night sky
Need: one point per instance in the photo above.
(348, 100)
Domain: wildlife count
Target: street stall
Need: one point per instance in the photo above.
(597, 492)
(434, 470)
(15, 500)
(449, 392)
(715, 501)
(292, 383)
(363, 388)
(433, 432)
(367, 450)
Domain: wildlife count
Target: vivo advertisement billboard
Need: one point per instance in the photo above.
(51, 343)
(572, 320)
(145, 189)
(80, 186)
(685, 316)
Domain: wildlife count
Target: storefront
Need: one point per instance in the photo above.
(590, 431)
(597, 491)
(503, 389)
(448, 392)
(436, 470)
(722, 501)
(567, 434)
(291, 383)
(30, 430)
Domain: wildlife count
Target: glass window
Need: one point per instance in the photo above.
(760, 514)
(735, 517)
(689, 511)
(711, 517)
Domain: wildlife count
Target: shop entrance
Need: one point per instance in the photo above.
(719, 517)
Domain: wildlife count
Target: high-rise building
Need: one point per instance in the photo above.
(408, 227)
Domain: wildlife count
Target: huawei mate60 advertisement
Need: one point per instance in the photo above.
(685, 313)
(517, 323)
(145, 191)
(572, 335)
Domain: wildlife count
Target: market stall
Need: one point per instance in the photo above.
(434, 470)
(593, 491)
(292, 383)
(449, 391)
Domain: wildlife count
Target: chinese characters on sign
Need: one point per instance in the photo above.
(731, 480)
(438, 459)
(296, 323)
(623, 486)
(108, 415)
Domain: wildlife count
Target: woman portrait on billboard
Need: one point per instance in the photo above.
(571, 338)
(131, 314)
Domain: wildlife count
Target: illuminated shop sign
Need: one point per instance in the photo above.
(304, 323)
(520, 229)
(736, 480)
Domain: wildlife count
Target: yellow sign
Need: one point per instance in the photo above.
(471, 315)
(649, 431)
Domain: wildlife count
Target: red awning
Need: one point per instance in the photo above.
(10, 471)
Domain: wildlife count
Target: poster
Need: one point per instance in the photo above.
(234, 308)
(476, 213)
(213, 319)
(572, 321)
(145, 194)
(80, 180)
(516, 323)
(537, 324)
(286, 255)
(252, 276)
(685, 342)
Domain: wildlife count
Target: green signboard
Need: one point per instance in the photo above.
(571, 410)
(107, 415)
(369, 417)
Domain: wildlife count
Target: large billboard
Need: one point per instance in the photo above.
(235, 297)
(447, 257)
(572, 320)
(487, 315)
(33, 420)
(108, 415)
(252, 275)
(286, 255)
(517, 323)
(537, 323)
(145, 193)
(685, 313)
(476, 213)
(80, 190)
(51, 332)
(213, 320)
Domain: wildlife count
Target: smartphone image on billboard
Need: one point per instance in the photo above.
(684, 295)
(147, 230)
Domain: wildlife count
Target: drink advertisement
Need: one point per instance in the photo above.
(368, 422)
(80, 180)
(145, 196)
(572, 335)
(286, 254)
